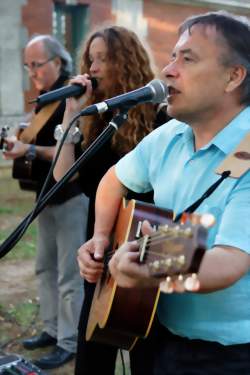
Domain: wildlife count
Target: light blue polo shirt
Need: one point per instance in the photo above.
(166, 162)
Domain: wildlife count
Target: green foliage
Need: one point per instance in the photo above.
(15, 204)
(22, 313)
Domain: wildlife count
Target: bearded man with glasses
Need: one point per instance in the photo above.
(61, 225)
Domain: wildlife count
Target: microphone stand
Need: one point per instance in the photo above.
(106, 134)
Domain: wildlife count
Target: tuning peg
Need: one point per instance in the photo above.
(180, 260)
(164, 228)
(179, 284)
(155, 265)
(176, 229)
(188, 232)
(167, 262)
(192, 283)
(180, 278)
(207, 220)
(167, 286)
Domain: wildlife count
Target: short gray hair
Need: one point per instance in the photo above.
(55, 49)
(235, 32)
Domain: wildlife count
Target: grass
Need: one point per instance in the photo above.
(22, 313)
(15, 204)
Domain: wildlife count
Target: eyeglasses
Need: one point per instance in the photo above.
(36, 65)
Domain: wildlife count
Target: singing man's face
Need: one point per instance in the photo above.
(195, 76)
(46, 75)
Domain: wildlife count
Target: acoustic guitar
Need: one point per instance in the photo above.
(119, 316)
(23, 168)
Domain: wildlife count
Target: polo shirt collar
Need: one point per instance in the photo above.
(228, 138)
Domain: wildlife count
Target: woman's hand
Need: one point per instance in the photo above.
(75, 105)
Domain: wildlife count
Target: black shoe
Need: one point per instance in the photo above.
(55, 359)
(41, 341)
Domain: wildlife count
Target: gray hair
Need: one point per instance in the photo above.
(55, 49)
(235, 34)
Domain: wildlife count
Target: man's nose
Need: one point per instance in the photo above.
(170, 70)
(32, 73)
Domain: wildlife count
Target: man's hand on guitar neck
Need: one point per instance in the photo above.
(90, 256)
(125, 268)
(129, 273)
(14, 148)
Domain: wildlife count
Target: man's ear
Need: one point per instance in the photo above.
(237, 74)
(58, 62)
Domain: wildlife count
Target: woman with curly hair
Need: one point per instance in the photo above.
(120, 63)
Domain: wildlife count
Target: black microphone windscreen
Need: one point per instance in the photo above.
(94, 83)
(74, 90)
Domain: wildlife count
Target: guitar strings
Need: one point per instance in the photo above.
(153, 240)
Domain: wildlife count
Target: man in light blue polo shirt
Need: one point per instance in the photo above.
(207, 329)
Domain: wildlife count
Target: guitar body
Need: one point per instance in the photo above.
(119, 316)
(22, 170)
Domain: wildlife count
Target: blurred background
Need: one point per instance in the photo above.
(156, 21)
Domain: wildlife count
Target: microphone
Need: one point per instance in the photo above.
(155, 92)
(75, 90)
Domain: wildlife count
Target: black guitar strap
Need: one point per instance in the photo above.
(234, 165)
(207, 193)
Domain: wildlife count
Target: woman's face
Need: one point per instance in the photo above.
(99, 65)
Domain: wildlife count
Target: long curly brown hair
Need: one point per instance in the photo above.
(129, 62)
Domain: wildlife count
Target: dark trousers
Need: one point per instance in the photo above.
(168, 354)
(162, 353)
(91, 356)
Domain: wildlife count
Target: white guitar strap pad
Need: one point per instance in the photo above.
(238, 162)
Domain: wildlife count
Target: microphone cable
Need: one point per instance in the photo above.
(122, 362)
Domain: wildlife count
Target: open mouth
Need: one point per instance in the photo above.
(172, 91)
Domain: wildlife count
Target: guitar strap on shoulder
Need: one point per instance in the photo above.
(238, 162)
(37, 122)
(207, 193)
(234, 165)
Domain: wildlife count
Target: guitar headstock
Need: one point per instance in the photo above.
(176, 248)
(3, 135)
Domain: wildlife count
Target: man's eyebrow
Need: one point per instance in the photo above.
(186, 51)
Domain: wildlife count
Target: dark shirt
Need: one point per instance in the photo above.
(45, 137)
(93, 171)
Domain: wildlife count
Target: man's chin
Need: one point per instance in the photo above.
(172, 111)
(39, 86)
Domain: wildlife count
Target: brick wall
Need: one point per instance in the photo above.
(163, 22)
(37, 18)
(162, 19)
